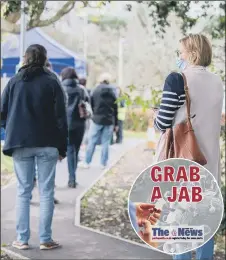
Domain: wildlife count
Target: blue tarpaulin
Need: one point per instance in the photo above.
(59, 56)
(2, 134)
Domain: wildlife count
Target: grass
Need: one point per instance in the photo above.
(133, 134)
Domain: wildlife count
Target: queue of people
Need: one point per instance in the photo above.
(45, 121)
(45, 118)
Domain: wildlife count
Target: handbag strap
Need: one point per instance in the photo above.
(187, 97)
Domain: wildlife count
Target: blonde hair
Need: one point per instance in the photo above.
(199, 49)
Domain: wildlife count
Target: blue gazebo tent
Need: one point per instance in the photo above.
(59, 56)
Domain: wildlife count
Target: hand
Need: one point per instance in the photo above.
(155, 112)
(60, 158)
(145, 234)
(116, 128)
(144, 211)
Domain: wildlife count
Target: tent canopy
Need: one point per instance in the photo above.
(58, 55)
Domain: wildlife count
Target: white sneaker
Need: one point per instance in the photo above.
(103, 167)
(83, 165)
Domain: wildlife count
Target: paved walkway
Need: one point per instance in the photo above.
(78, 243)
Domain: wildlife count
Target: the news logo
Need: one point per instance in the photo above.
(178, 233)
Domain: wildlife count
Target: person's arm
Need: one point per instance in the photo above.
(92, 99)
(87, 97)
(4, 105)
(61, 119)
(115, 107)
(132, 214)
(173, 98)
(146, 234)
(116, 113)
(144, 216)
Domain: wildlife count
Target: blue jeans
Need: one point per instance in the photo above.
(205, 252)
(96, 132)
(72, 160)
(24, 163)
(73, 147)
(119, 134)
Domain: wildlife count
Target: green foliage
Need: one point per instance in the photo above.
(12, 7)
(136, 120)
(32, 8)
(160, 10)
(156, 95)
(138, 101)
(10, 11)
(221, 73)
(218, 31)
(138, 113)
(222, 228)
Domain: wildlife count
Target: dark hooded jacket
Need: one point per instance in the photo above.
(75, 93)
(104, 104)
(33, 111)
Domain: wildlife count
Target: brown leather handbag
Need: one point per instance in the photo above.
(179, 141)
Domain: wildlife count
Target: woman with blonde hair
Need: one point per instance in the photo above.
(206, 94)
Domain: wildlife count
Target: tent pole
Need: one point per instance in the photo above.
(22, 30)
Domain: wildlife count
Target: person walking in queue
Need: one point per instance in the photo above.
(34, 116)
(82, 82)
(206, 94)
(48, 66)
(76, 125)
(105, 116)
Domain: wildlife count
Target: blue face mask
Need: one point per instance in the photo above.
(181, 64)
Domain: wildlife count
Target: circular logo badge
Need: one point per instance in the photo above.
(175, 206)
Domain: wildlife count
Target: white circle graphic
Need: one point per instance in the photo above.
(178, 206)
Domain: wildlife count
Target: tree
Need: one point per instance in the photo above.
(159, 11)
(10, 14)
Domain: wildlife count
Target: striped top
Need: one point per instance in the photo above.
(173, 98)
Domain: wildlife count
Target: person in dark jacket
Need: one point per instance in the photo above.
(34, 117)
(82, 81)
(76, 125)
(105, 117)
(50, 67)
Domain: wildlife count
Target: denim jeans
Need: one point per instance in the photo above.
(24, 164)
(86, 135)
(204, 252)
(72, 160)
(73, 147)
(119, 134)
(96, 132)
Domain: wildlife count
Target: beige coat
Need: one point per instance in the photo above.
(206, 93)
